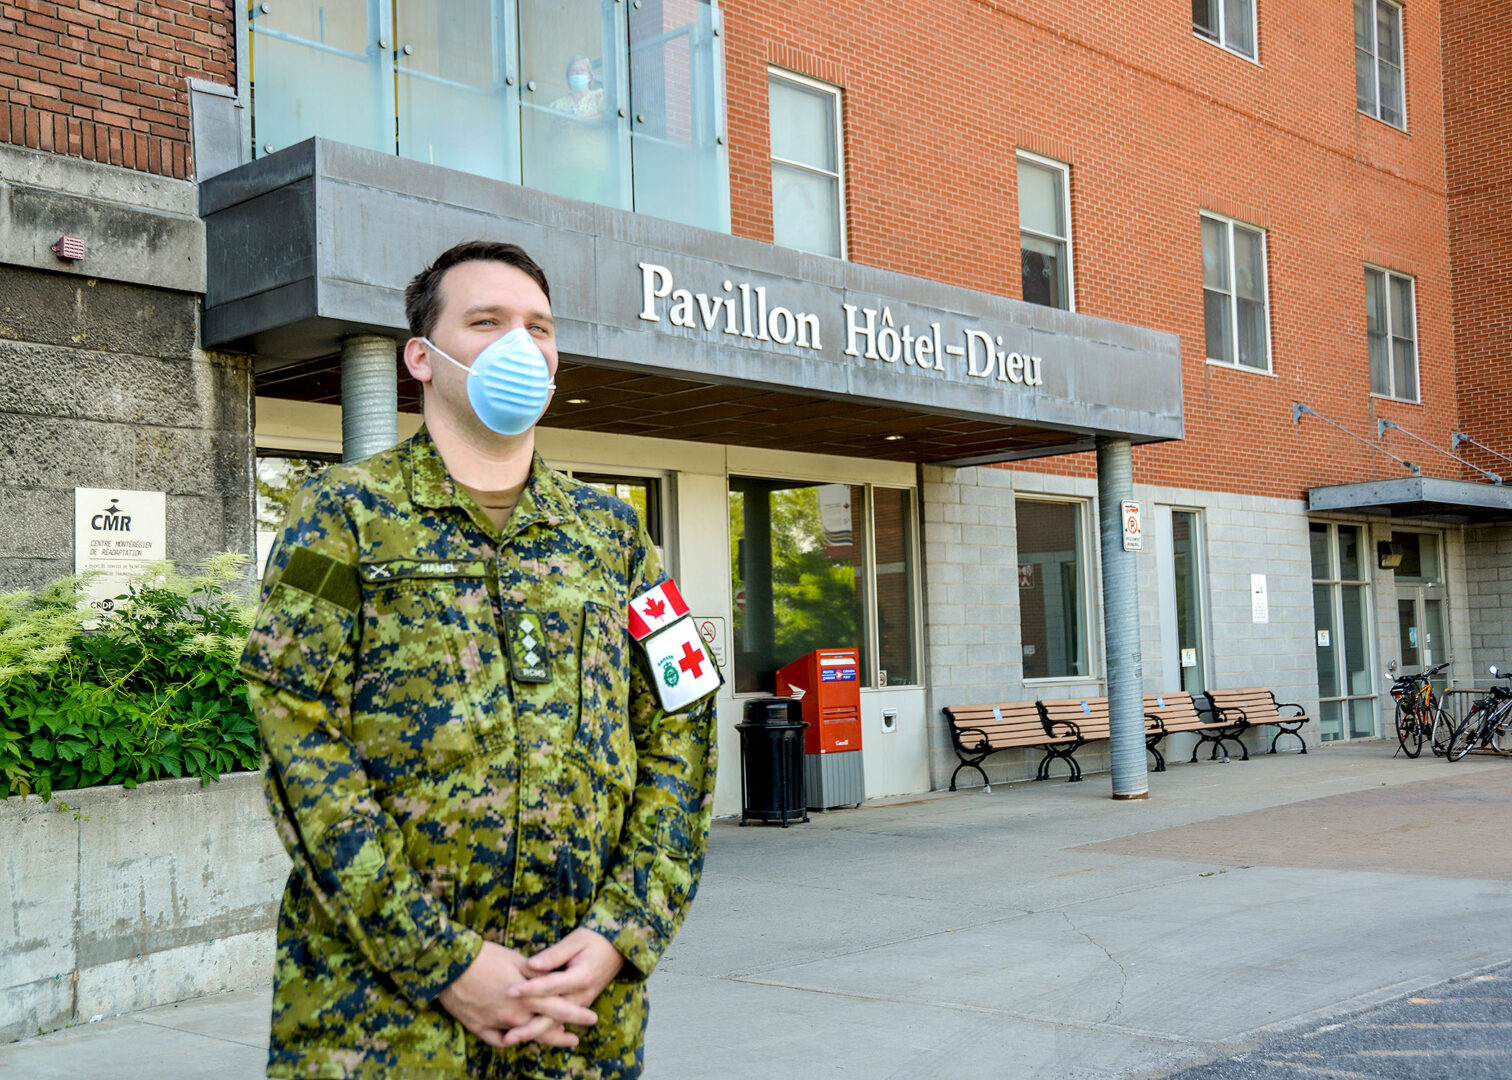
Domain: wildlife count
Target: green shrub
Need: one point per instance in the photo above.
(152, 692)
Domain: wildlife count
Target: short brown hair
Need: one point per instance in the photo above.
(422, 297)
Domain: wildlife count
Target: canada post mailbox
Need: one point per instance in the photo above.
(829, 683)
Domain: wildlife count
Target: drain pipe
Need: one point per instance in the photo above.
(1120, 581)
(369, 396)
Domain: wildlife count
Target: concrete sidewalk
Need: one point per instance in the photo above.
(1041, 930)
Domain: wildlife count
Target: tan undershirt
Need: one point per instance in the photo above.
(498, 505)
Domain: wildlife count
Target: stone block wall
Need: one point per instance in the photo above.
(972, 613)
(1488, 571)
(104, 384)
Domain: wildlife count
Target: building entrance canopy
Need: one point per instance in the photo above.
(671, 331)
(1427, 498)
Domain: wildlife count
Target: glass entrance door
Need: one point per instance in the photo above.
(1341, 627)
(1422, 616)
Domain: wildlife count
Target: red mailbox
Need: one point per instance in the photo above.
(831, 683)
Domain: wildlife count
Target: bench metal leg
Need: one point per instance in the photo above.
(1205, 737)
(1066, 754)
(1290, 729)
(1152, 745)
(965, 764)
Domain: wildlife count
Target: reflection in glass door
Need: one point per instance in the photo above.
(456, 108)
(1341, 627)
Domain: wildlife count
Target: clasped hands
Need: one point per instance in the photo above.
(505, 998)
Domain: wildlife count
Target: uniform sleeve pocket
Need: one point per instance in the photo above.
(296, 640)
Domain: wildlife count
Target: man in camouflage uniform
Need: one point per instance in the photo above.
(495, 828)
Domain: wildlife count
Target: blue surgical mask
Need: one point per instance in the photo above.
(579, 81)
(508, 384)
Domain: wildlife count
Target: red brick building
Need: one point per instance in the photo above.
(1279, 232)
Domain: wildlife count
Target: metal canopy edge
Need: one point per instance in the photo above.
(1432, 497)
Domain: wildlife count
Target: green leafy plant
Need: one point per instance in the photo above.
(152, 692)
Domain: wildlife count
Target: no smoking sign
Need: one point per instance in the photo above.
(1133, 531)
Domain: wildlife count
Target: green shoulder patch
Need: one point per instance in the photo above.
(320, 575)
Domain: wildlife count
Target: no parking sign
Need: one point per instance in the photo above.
(1133, 531)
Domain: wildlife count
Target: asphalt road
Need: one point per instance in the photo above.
(1458, 1030)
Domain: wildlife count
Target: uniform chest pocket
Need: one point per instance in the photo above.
(428, 669)
(604, 741)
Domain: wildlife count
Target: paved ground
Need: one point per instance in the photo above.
(1043, 930)
(1463, 1029)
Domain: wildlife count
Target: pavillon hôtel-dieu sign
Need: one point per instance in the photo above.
(870, 334)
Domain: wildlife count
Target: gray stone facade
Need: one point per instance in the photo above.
(105, 383)
(972, 611)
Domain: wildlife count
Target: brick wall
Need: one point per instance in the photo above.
(1478, 122)
(1156, 125)
(107, 81)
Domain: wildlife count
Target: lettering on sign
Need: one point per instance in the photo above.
(116, 532)
(1133, 531)
(871, 334)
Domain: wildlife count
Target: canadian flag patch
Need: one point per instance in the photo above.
(656, 608)
(681, 665)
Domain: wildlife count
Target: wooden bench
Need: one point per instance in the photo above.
(1256, 706)
(979, 731)
(1087, 718)
(1178, 712)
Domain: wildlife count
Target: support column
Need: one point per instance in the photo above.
(1120, 597)
(369, 396)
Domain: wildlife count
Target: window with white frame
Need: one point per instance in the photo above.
(1044, 192)
(1378, 61)
(1230, 23)
(1234, 293)
(1391, 331)
(1052, 596)
(808, 206)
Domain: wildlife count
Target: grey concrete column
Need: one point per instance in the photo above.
(369, 396)
(1120, 580)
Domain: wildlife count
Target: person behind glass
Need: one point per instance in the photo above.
(583, 101)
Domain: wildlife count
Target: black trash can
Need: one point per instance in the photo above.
(771, 761)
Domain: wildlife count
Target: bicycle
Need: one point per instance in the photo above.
(1419, 715)
(1486, 724)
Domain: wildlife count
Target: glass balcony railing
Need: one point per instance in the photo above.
(618, 103)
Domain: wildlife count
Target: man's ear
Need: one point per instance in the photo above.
(417, 357)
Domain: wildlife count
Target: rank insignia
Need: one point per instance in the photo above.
(527, 648)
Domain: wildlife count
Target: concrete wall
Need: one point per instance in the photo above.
(105, 385)
(1488, 572)
(120, 900)
(972, 614)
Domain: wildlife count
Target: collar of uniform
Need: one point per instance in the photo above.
(431, 485)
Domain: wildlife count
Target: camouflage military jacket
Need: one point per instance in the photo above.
(462, 744)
